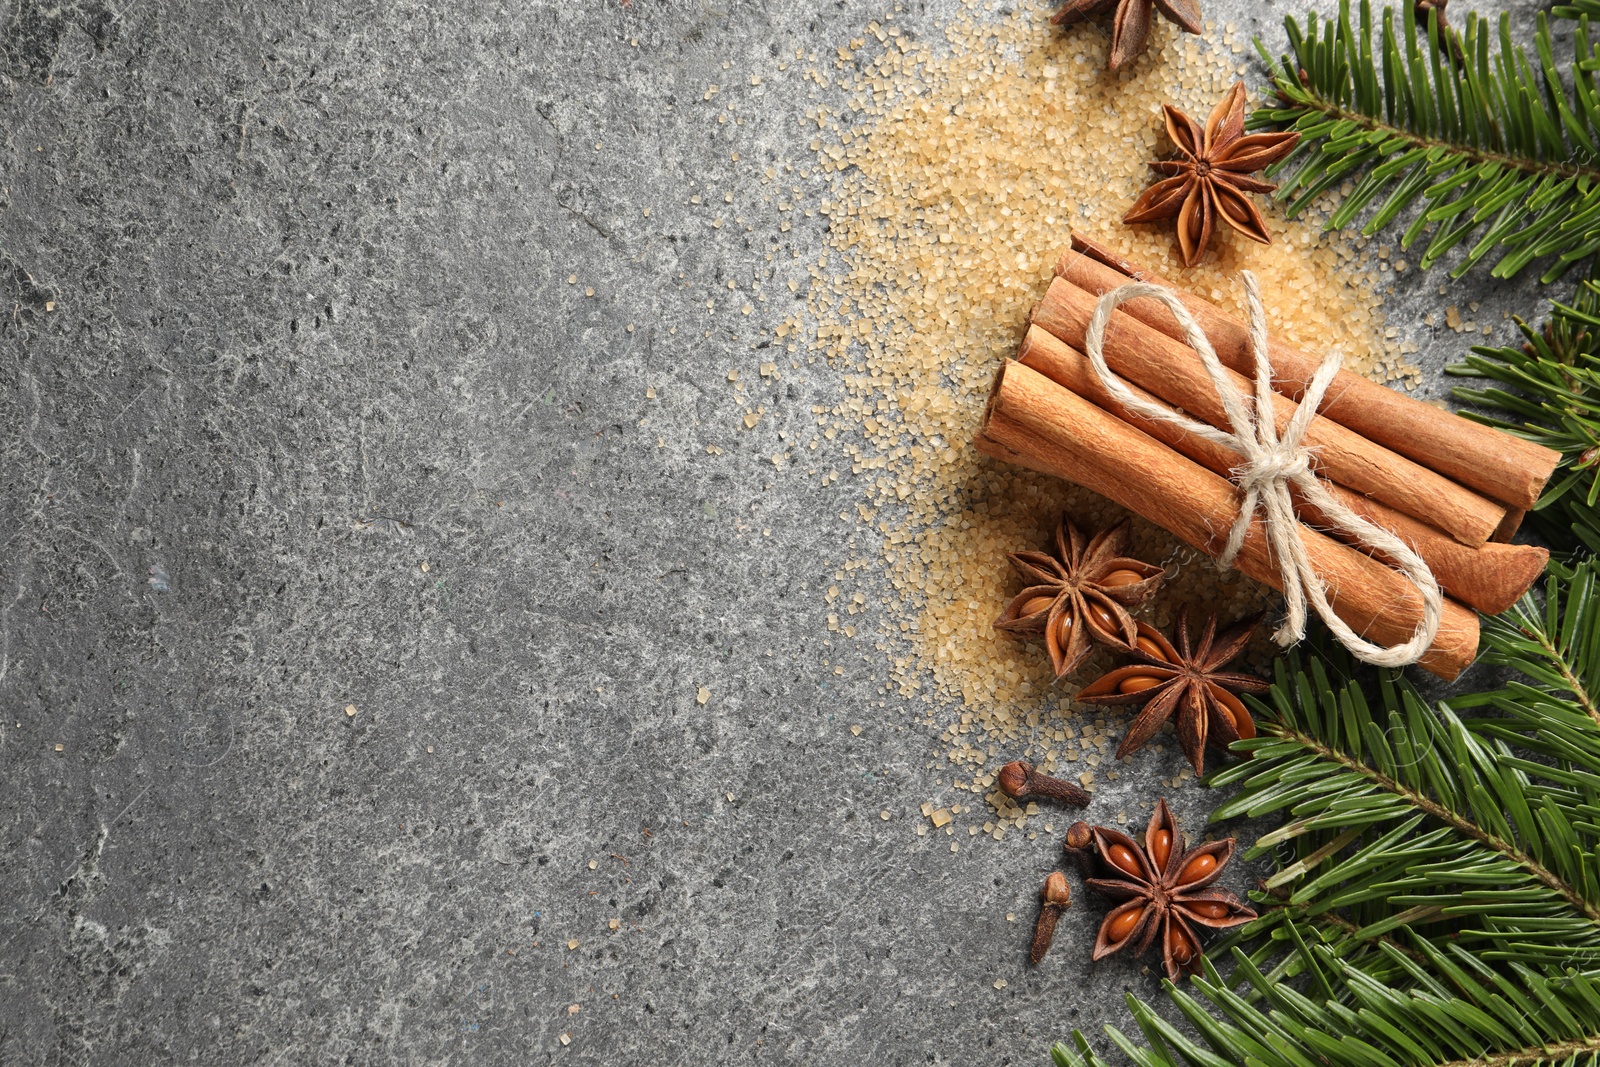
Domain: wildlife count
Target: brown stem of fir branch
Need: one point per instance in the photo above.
(1450, 818)
(1539, 1054)
(1334, 919)
(1573, 682)
(1415, 140)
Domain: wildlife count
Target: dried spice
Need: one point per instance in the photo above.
(1054, 898)
(1080, 848)
(1447, 34)
(1211, 179)
(1422, 7)
(921, 300)
(1164, 890)
(1080, 595)
(1020, 781)
(1130, 26)
(1187, 680)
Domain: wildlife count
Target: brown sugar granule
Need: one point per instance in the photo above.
(953, 179)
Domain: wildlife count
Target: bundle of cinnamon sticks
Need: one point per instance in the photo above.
(1453, 489)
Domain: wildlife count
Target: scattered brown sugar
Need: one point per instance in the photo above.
(954, 179)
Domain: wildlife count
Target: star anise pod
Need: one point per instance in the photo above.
(1211, 179)
(1082, 592)
(1187, 680)
(1130, 27)
(1164, 891)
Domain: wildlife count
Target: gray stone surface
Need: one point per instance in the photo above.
(288, 318)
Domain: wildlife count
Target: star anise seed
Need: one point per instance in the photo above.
(1163, 890)
(1080, 594)
(1130, 27)
(1211, 178)
(1185, 680)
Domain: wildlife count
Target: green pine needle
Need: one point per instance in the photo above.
(1471, 1016)
(1501, 158)
(1548, 391)
(1445, 819)
(1436, 893)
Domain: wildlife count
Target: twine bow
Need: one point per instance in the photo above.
(1271, 467)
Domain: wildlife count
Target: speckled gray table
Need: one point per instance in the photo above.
(351, 622)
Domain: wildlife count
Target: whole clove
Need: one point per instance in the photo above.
(1079, 846)
(1054, 898)
(1019, 781)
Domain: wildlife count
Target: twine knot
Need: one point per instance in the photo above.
(1275, 468)
(1285, 464)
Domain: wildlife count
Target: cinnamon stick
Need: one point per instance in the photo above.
(1509, 525)
(1494, 463)
(1172, 371)
(1032, 421)
(1489, 578)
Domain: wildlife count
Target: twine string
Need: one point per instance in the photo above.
(1271, 466)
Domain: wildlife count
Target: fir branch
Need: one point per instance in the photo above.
(1403, 139)
(1493, 147)
(1336, 931)
(1522, 1057)
(1448, 817)
(1554, 646)
(1471, 1017)
(1548, 391)
(1420, 801)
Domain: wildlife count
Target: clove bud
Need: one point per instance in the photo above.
(1019, 781)
(1054, 898)
(1080, 846)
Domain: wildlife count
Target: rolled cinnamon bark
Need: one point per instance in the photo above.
(1489, 578)
(1494, 463)
(1172, 371)
(1509, 525)
(1032, 421)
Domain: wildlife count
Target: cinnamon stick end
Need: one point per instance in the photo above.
(1516, 569)
(1084, 246)
(994, 394)
(1509, 525)
(1456, 646)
